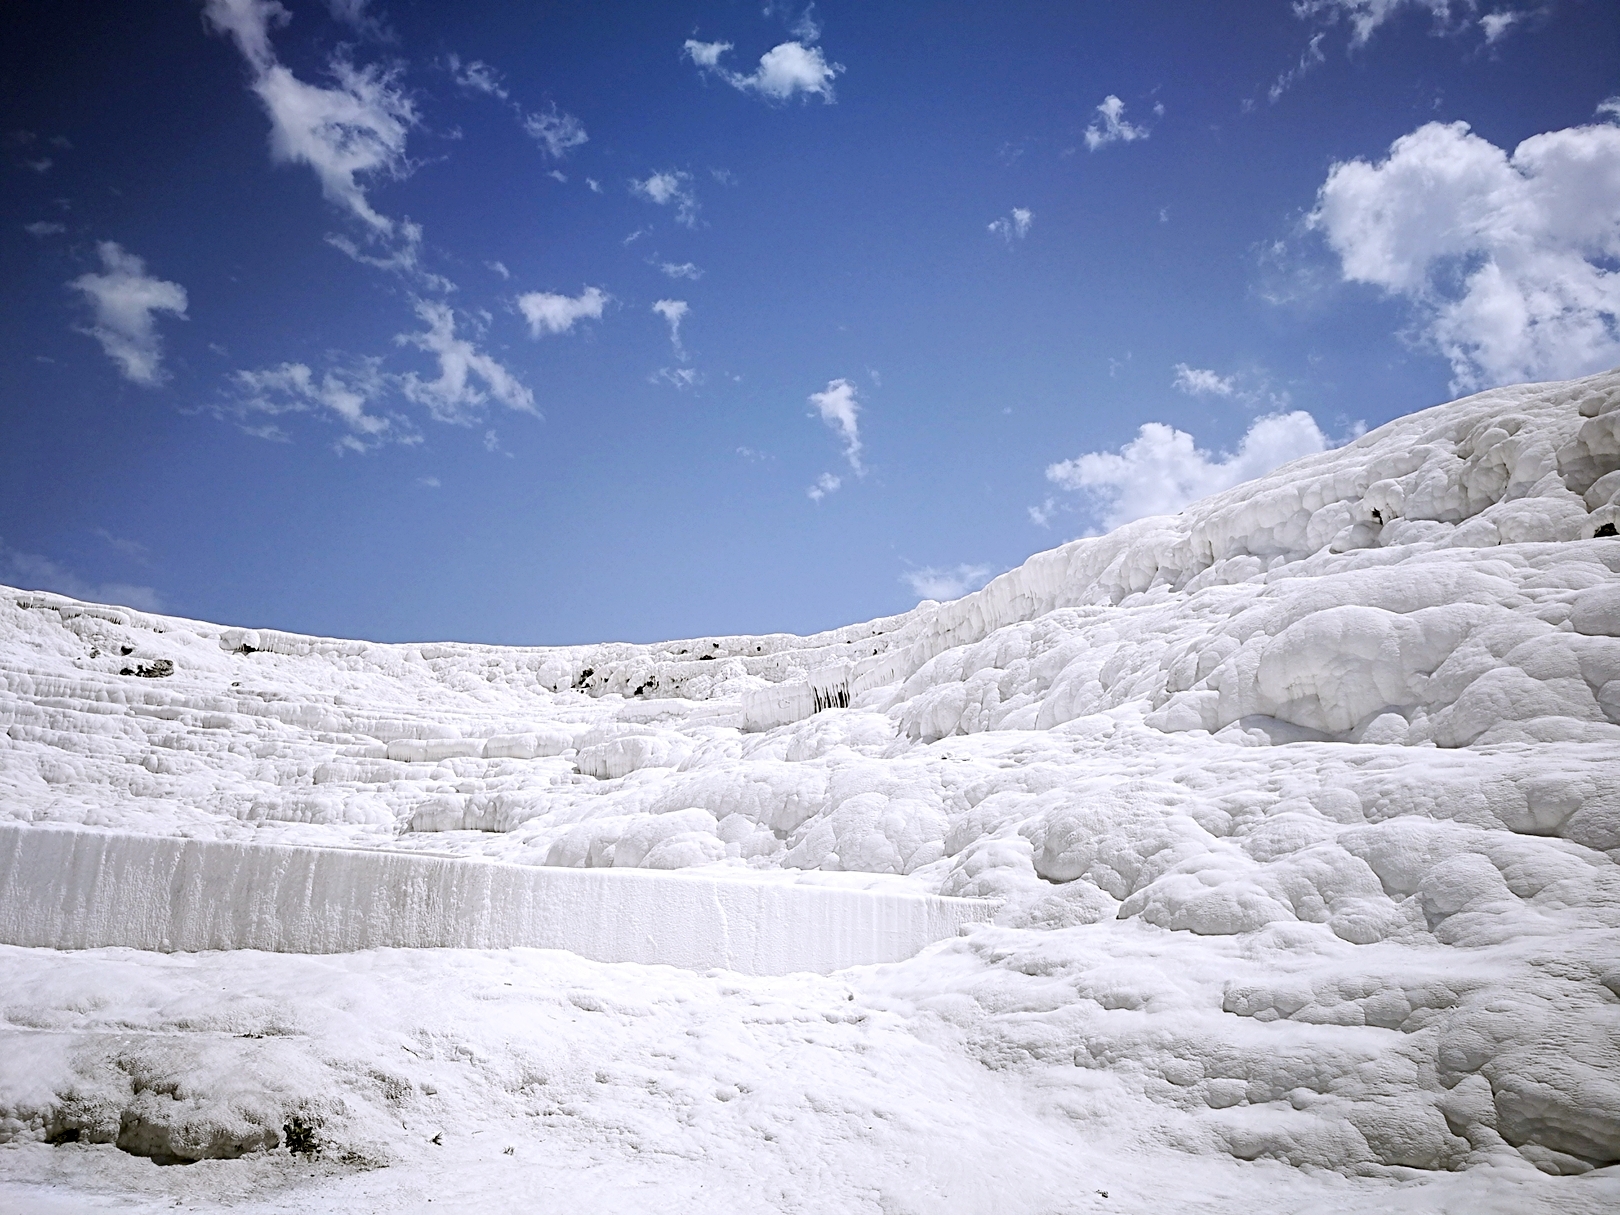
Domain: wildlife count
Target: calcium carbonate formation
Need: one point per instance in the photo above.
(1299, 810)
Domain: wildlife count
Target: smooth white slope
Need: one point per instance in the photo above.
(1305, 817)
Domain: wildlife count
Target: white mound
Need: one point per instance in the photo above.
(1301, 808)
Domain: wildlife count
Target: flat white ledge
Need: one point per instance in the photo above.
(66, 888)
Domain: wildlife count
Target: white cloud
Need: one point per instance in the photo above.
(704, 54)
(499, 268)
(1161, 470)
(294, 388)
(429, 482)
(1365, 16)
(1506, 260)
(683, 270)
(825, 484)
(1198, 382)
(33, 572)
(679, 377)
(1496, 25)
(556, 131)
(550, 313)
(1110, 125)
(476, 76)
(674, 312)
(453, 397)
(595, 186)
(840, 410)
(931, 583)
(353, 131)
(125, 300)
(666, 188)
(400, 256)
(1014, 226)
(353, 13)
(1310, 58)
(43, 228)
(785, 70)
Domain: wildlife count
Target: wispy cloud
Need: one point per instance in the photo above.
(343, 395)
(352, 132)
(672, 187)
(43, 228)
(550, 313)
(673, 312)
(476, 76)
(678, 377)
(1013, 226)
(555, 131)
(1110, 125)
(838, 407)
(454, 395)
(125, 301)
(947, 583)
(1162, 469)
(683, 270)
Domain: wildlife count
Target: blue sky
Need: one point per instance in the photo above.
(564, 323)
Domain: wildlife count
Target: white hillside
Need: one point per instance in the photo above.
(1301, 809)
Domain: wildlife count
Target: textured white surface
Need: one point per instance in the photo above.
(76, 889)
(1303, 806)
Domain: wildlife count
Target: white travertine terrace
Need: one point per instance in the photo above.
(1300, 809)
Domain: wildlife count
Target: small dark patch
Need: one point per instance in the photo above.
(583, 676)
(126, 650)
(705, 657)
(68, 1134)
(438, 1139)
(1378, 516)
(158, 668)
(1606, 530)
(298, 1133)
(95, 653)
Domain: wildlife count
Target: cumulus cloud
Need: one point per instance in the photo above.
(673, 312)
(786, 70)
(1110, 125)
(453, 396)
(344, 395)
(31, 571)
(125, 301)
(1199, 382)
(556, 131)
(825, 484)
(670, 188)
(1506, 259)
(840, 410)
(949, 583)
(1014, 226)
(1161, 470)
(548, 313)
(354, 131)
